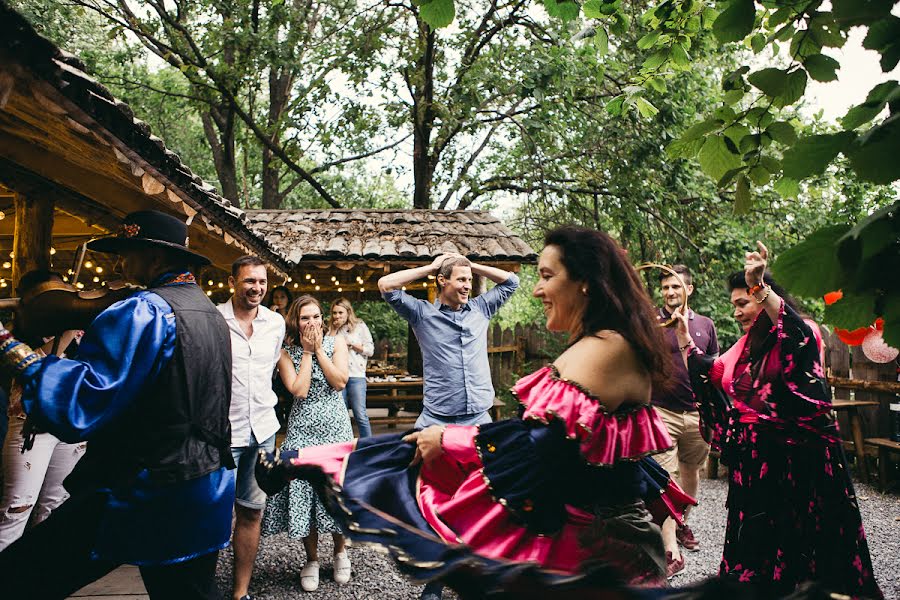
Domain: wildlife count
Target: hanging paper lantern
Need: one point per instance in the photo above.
(876, 350)
(832, 297)
(852, 338)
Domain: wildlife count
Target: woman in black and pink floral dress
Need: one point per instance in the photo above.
(792, 511)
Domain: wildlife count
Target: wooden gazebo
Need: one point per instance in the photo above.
(74, 160)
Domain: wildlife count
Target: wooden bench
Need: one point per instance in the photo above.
(852, 408)
(885, 447)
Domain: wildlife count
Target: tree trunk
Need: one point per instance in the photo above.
(280, 83)
(33, 235)
(219, 130)
(423, 119)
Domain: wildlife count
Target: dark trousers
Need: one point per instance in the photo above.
(53, 560)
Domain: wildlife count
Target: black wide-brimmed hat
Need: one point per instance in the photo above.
(150, 228)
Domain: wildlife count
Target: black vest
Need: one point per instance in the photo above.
(178, 427)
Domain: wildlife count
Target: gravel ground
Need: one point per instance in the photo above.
(277, 574)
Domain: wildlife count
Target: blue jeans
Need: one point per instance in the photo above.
(355, 399)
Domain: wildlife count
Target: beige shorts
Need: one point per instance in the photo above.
(690, 447)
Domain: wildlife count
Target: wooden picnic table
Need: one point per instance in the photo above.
(406, 393)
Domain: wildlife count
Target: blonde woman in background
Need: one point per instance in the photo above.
(355, 332)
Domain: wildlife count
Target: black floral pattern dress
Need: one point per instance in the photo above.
(792, 510)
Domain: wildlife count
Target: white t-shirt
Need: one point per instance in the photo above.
(359, 336)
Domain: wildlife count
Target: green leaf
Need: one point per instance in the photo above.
(440, 13)
(735, 22)
(852, 311)
(742, 198)
(759, 175)
(700, 129)
(782, 132)
(655, 60)
(592, 9)
(644, 107)
(874, 156)
(648, 41)
(614, 106)
(749, 143)
(875, 232)
(877, 97)
(811, 268)
(769, 81)
(684, 149)
(811, 155)
(787, 187)
(770, 164)
(680, 56)
(732, 97)
(716, 159)
(601, 41)
(821, 67)
(794, 90)
(566, 10)
(657, 84)
(757, 43)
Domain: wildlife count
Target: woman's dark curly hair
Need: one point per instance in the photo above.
(617, 299)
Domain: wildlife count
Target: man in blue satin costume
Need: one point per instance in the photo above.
(150, 393)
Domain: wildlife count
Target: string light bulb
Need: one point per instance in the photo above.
(231, 290)
(312, 280)
(88, 265)
(7, 265)
(296, 285)
(52, 250)
(340, 289)
(209, 292)
(362, 289)
(308, 276)
(210, 282)
(79, 285)
(317, 288)
(2, 215)
(99, 269)
(221, 285)
(3, 284)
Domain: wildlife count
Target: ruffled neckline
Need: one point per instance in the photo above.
(605, 437)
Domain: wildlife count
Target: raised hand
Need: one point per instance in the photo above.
(682, 333)
(755, 265)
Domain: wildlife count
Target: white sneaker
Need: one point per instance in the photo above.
(341, 567)
(309, 576)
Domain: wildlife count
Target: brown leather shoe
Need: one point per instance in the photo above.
(673, 566)
(686, 539)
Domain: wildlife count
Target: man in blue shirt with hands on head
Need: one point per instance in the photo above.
(452, 334)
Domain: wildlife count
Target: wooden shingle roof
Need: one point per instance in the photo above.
(411, 235)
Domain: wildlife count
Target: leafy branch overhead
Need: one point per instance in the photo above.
(749, 142)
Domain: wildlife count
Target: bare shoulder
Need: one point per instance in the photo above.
(607, 366)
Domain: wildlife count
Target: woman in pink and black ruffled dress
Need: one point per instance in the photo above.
(563, 497)
(793, 516)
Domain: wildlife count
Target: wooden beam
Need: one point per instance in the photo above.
(33, 234)
(887, 387)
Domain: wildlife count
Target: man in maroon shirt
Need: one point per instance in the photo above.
(677, 409)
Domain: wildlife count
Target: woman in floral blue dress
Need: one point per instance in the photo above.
(792, 510)
(314, 367)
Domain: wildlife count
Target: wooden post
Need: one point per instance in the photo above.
(33, 235)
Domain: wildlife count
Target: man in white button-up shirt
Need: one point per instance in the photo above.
(256, 337)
